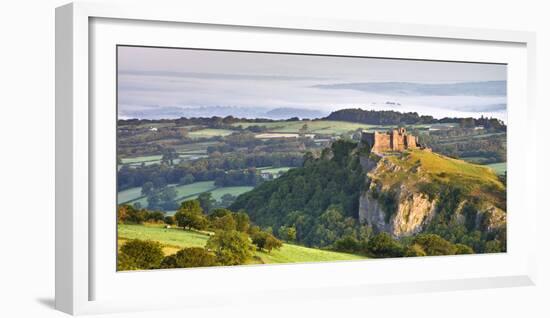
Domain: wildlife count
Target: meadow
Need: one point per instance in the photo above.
(184, 192)
(174, 239)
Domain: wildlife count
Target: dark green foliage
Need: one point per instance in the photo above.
(302, 195)
(230, 247)
(388, 201)
(433, 245)
(493, 246)
(189, 257)
(348, 244)
(383, 245)
(138, 254)
(130, 215)
(206, 201)
(169, 220)
(287, 233)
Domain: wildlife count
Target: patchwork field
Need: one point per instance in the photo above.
(327, 127)
(275, 170)
(184, 192)
(175, 239)
(209, 133)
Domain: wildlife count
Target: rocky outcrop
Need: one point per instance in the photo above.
(412, 212)
(396, 204)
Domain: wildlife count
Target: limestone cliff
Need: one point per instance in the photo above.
(405, 191)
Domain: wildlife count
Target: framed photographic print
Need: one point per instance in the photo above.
(247, 156)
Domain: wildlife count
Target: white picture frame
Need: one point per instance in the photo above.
(78, 290)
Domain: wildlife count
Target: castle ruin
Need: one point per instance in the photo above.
(394, 140)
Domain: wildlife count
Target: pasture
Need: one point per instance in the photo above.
(209, 133)
(174, 239)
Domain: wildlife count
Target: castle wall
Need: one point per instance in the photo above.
(411, 141)
(382, 143)
(396, 140)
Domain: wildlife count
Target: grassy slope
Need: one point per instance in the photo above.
(174, 239)
(481, 180)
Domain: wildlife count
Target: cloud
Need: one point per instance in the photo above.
(222, 76)
(488, 88)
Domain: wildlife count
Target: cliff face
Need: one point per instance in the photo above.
(406, 191)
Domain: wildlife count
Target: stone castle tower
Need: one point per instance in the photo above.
(394, 140)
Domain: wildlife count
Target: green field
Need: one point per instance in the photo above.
(327, 127)
(174, 239)
(184, 192)
(196, 188)
(499, 168)
(274, 170)
(128, 195)
(317, 126)
(209, 133)
(235, 191)
(141, 159)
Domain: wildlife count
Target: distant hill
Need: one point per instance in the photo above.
(286, 112)
(171, 112)
(390, 117)
(488, 88)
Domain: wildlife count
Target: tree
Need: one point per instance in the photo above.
(140, 254)
(347, 244)
(242, 221)
(169, 220)
(189, 257)
(147, 188)
(226, 223)
(187, 179)
(434, 244)
(190, 215)
(168, 155)
(287, 233)
(266, 241)
(206, 201)
(230, 247)
(383, 245)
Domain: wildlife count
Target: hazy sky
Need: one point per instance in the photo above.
(154, 80)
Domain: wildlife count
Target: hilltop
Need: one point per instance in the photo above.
(418, 190)
(348, 191)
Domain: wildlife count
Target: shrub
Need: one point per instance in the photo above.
(230, 247)
(434, 244)
(169, 220)
(347, 244)
(415, 250)
(493, 246)
(383, 245)
(266, 241)
(140, 254)
(463, 249)
(189, 257)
